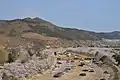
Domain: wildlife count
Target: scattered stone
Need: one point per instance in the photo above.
(106, 72)
(85, 70)
(81, 64)
(82, 74)
(91, 70)
(59, 62)
(58, 74)
(102, 79)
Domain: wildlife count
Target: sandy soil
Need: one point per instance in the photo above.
(73, 74)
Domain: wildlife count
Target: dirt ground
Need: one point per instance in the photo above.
(73, 74)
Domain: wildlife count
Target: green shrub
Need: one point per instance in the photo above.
(3, 56)
(12, 55)
(5, 77)
(13, 78)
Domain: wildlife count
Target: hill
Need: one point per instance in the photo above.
(18, 27)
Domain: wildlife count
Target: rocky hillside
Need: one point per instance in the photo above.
(18, 27)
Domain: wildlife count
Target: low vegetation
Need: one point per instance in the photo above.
(3, 55)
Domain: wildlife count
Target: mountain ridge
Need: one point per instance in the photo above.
(40, 26)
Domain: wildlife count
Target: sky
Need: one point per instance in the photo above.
(93, 15)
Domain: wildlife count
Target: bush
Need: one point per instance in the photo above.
(12, 55)
(117, 58)
(5, 77)
(17, 54)
(3, 55)
(13, 78)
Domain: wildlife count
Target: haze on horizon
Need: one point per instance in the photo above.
(94, 15)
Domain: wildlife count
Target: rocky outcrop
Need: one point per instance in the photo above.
(18, 69)
(26, 64)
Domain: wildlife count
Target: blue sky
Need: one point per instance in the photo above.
(94, 15)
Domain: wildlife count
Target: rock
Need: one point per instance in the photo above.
(32, 66)
(23, 63)
(82, 74)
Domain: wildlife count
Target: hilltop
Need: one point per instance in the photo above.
(18, 27)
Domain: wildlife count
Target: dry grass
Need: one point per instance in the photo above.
(37, 36)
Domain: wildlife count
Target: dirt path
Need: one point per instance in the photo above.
(73, 74)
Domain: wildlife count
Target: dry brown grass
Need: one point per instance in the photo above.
(37, 36)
